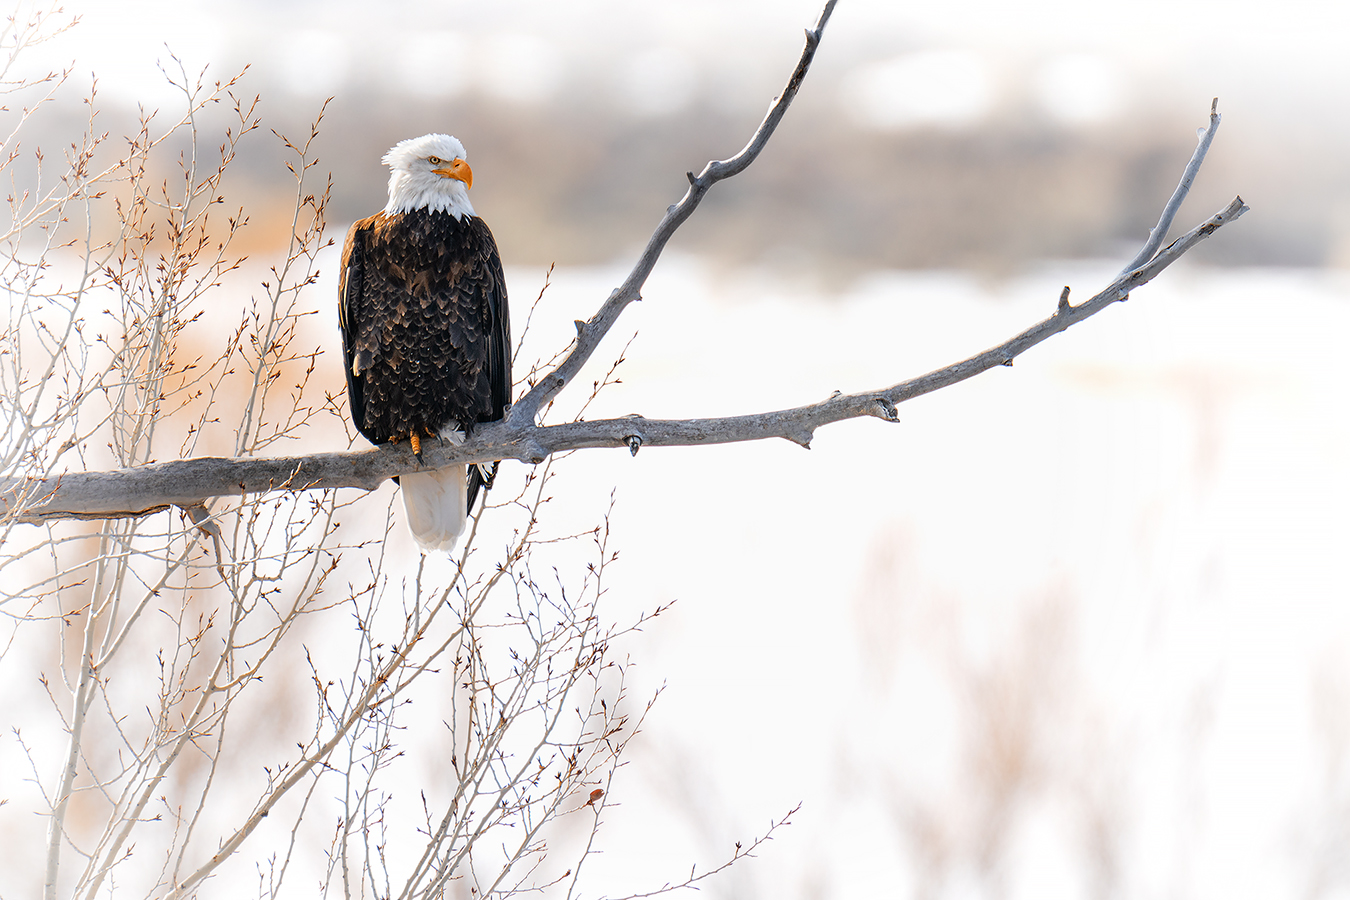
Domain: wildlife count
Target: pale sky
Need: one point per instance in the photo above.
(1078, 60)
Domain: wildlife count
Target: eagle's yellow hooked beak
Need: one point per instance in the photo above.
(458, 169)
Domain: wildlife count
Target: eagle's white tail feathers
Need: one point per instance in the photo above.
(437, 505)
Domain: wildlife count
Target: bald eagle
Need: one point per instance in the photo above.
(425, 334)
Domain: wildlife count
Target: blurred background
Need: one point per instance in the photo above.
(967, 134)
(1073, 629)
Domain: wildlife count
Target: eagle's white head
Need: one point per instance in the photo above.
(429, 172)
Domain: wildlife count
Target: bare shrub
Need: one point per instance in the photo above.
(227, 690)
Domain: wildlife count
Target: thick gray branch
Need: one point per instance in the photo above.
(187, 483)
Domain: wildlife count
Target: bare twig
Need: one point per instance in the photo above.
(740, 852)
(1159, 232)
(590, 333)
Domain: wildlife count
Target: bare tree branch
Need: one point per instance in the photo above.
(589, 334)
(1159, 232)
(740, 852)
(186, 483)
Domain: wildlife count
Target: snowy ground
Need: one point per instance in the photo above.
(1077, 628)
(1074, 628)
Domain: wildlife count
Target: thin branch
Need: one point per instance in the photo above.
(590, 333)
(741, 852)
(1159, 232)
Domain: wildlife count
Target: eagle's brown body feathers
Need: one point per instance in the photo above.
(425, 331)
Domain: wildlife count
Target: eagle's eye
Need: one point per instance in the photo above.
(435, 160)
